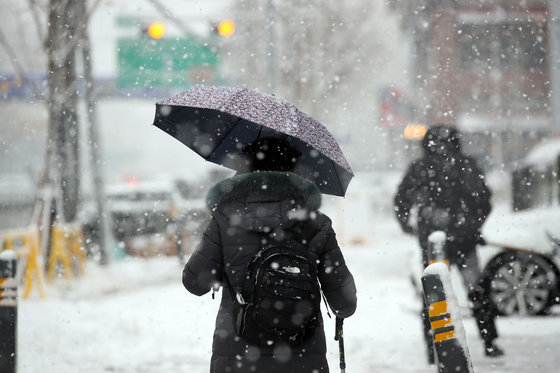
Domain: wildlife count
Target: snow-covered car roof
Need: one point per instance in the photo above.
(145, 195)
(524, 229)
(543, 154)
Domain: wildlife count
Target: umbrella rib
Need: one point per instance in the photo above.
(223, 138)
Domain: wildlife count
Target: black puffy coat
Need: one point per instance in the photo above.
(449, 190)
(247, 209)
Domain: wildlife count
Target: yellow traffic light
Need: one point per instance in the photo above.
(415, 131)
(156, 30)
(226, 28)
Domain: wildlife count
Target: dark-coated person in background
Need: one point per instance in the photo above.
(247, 210)
(449, 192)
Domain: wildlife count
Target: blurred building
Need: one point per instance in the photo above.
(484, 67)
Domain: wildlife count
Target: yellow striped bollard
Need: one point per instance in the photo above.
(8, 311)
(449, 337)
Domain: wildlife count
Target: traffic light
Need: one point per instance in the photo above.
(156, 30)
(415, 131)
(226, 28)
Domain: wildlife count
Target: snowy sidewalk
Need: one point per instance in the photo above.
(135, 317)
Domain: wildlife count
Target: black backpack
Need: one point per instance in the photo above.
(280, 300)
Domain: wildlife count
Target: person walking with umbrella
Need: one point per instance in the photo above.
(268, 202)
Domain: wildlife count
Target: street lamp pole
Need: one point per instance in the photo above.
(554, 30)
(270, 27)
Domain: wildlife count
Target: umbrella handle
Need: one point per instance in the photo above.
(339, 336)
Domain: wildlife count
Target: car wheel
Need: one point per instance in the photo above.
(520, 283)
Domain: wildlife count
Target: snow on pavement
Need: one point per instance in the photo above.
(135, 316)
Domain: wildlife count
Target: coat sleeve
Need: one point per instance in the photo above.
(484, 194)
(404, 199)
(478, 193)
(204, 268)
(336, 280)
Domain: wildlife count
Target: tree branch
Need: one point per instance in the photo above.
(38, 25)
(14, 59)
(81, 30)
(164, 11)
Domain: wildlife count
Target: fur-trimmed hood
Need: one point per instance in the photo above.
(281, 185)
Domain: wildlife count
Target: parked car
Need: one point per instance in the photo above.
(523, 275)
(142, 217)
(156, 217)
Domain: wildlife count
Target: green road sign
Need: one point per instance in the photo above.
(168, 62)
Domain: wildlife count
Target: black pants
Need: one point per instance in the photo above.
(463, 256)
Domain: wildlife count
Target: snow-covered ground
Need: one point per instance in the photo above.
(135, 316)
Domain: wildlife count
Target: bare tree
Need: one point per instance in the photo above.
(63, 45)
(321, 48)
(67, 36)
(326, 56)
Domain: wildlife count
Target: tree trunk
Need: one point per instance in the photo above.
(63, 138)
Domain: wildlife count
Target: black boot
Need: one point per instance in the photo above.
(492, 350)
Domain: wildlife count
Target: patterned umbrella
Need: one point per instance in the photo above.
(217, 122)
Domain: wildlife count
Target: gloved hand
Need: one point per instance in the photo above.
(480, 240)
(407, 228)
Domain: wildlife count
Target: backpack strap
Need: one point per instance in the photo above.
(235, 295)
(305, 231)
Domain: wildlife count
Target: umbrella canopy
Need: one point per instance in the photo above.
(218, 122)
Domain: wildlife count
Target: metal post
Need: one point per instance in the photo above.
(270, 27)
(554, 63)
(8, 311)
(105, 238)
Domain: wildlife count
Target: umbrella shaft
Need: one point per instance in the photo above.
(341, 351)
